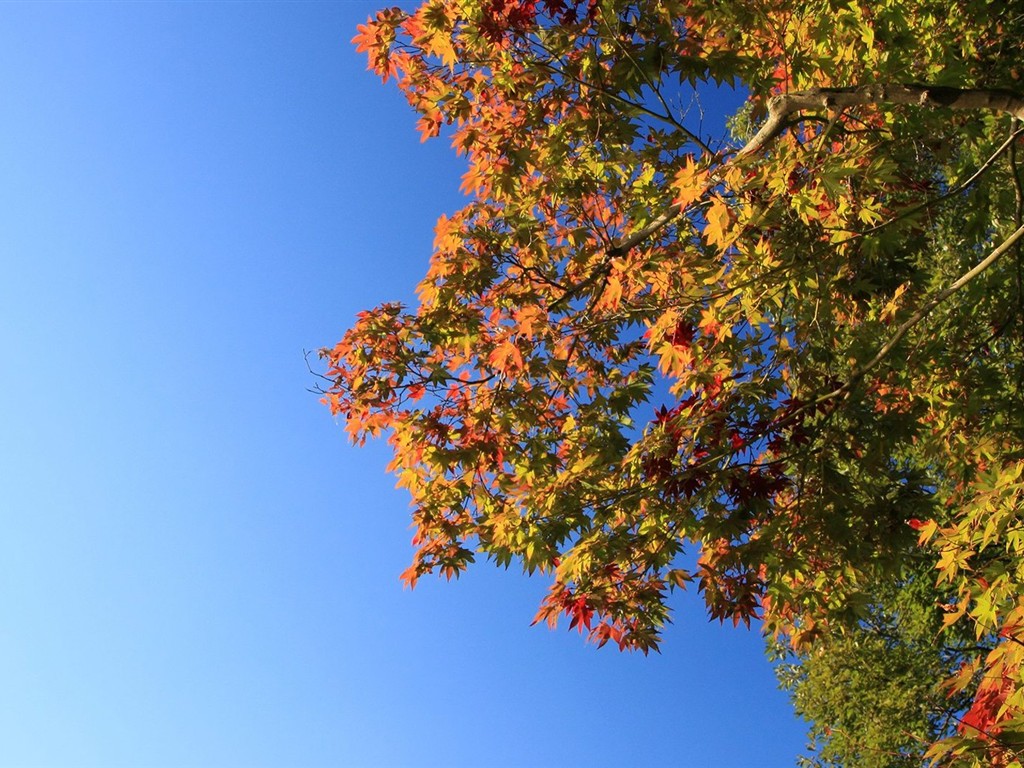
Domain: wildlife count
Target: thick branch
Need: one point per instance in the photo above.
(930, 97)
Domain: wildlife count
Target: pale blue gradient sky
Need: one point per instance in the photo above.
(195, 568)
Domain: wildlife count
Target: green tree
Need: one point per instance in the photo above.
(872, 691)
(833, 304)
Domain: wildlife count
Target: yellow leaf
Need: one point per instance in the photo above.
(689, 183)
(716, 233)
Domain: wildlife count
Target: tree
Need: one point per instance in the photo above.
(873, 693)
(798, 351)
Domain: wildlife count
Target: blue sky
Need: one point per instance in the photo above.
(196, 569)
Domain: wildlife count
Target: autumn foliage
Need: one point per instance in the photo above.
(794, 352)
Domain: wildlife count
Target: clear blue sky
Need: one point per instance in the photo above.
(195, 567)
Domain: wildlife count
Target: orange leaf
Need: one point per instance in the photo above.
(506, 358)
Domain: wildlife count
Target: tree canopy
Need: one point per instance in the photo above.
(783, 365)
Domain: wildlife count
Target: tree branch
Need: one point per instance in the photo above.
(922, 312)
(929, 97)
(953, 190)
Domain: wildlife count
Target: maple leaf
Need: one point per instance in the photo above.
(506, 358)
(717, 230)
(367, 37)
(689, 183)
